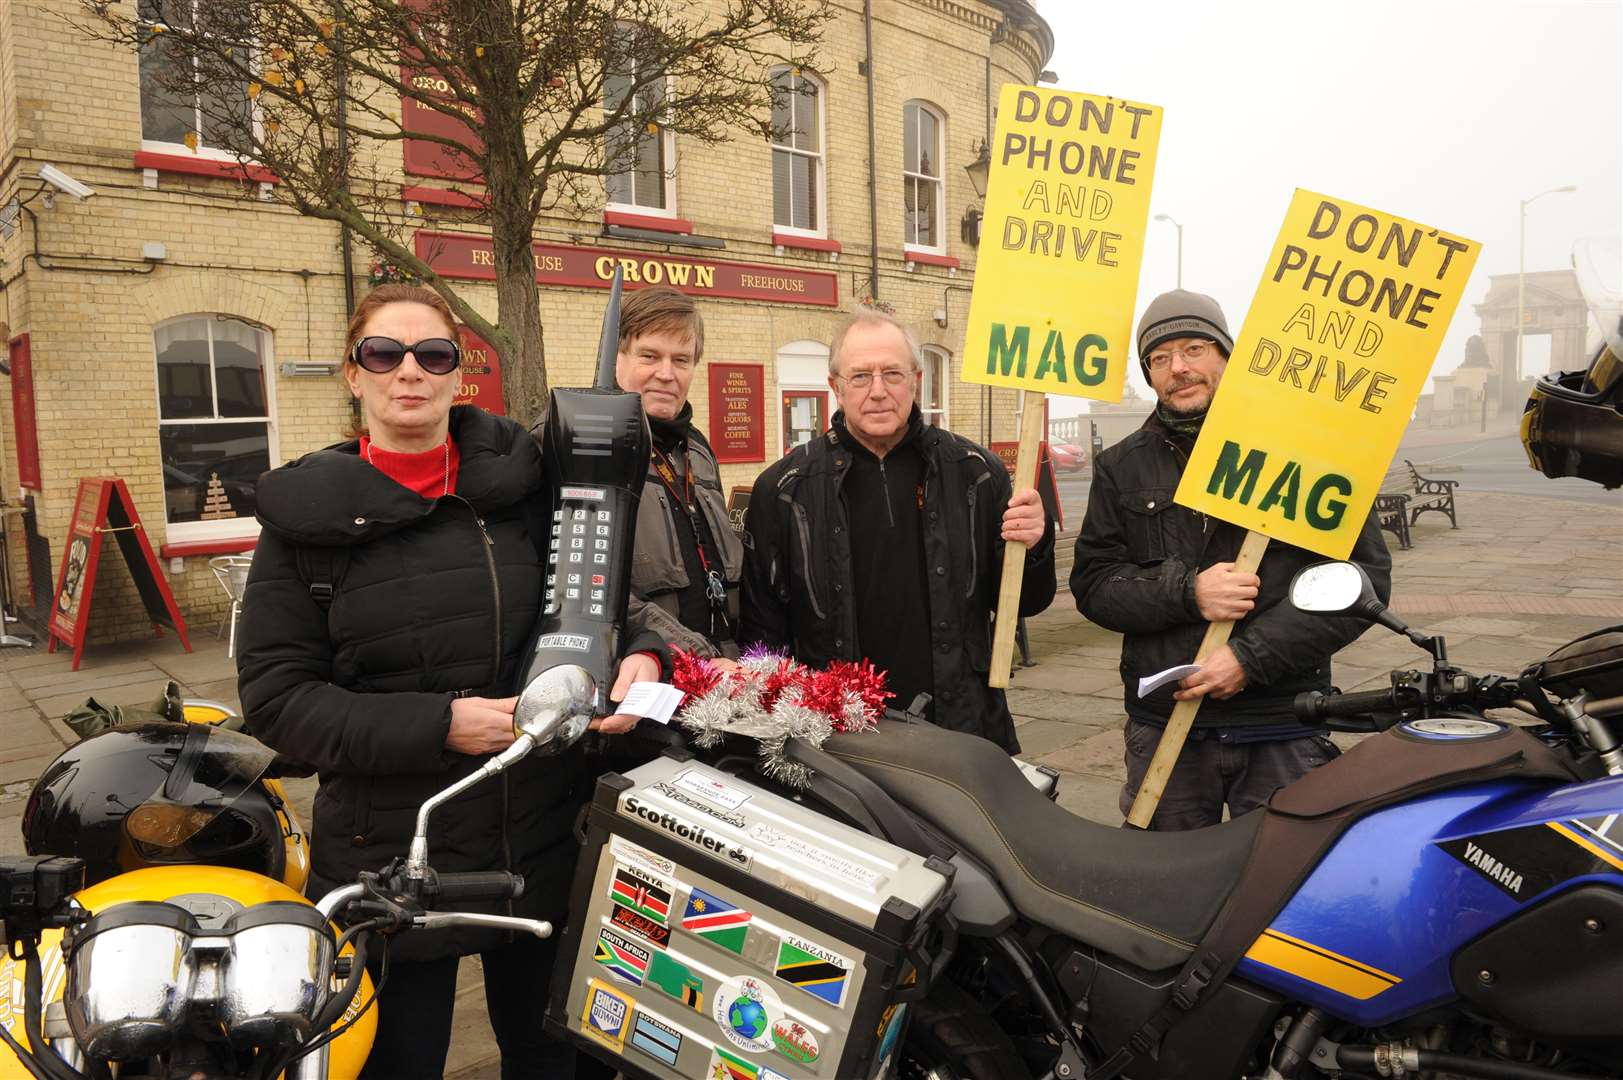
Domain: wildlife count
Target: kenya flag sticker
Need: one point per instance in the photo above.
(647, 896)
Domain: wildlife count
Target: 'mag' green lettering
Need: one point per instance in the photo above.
(1325, 515)
(1230, 472)
(1011, 353)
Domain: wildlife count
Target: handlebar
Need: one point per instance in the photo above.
(448, 889)
(1317, 707)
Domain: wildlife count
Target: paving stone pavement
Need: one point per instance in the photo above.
(1519, 577)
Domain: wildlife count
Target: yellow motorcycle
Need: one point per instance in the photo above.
(156, 930)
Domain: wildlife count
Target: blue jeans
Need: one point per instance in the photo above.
(1213, 772)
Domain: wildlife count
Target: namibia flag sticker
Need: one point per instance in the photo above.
(717, 920)
(647, 896)
(821, 972)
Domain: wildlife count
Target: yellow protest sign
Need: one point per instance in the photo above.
(1338, 342)
(1066, 205)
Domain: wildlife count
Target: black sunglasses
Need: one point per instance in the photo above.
(380, 355)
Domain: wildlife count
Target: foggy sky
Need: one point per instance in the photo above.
(1447, 112)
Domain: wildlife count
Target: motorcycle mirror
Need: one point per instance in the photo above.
(555, 709)
(1331, 588)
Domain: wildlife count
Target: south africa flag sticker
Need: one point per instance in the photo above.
(821, 972)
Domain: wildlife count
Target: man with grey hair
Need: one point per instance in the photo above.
(883, 540)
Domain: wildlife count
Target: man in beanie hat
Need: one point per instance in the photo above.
(1159, 573)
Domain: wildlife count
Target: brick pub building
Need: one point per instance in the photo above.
(180, 329)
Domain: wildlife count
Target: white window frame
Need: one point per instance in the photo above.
(820, 172)
(940, 180)
(203, 151)
(230, 528)
(667, 152)
(937, 353)
(802, 367)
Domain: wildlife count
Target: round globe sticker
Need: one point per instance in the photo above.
(744, 1009)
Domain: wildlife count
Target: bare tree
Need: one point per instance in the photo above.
(531, 103)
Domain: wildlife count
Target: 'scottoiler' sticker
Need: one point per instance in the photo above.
(819, 971)
(607, 1012)
(657, 1039)
(744, 1010)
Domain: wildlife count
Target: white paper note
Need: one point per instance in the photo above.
(1149, 684)
(653, 700)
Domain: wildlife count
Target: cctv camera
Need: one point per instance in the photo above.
(65, 183)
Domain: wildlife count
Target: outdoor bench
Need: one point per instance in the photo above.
(1431, 494)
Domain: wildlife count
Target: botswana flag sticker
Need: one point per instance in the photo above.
(644, 895)
(820, 972)
(717, 920)
(656, 1039)
(621, 956)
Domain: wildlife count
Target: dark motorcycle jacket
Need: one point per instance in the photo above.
(1136, 561)
(433, 599)
(798, 592)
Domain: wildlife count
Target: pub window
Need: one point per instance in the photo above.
(639, 148)
(209, 124)
(216, 431)
(797, 152)
(933, 387)
(922, 187)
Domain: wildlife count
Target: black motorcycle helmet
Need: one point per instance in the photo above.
(157, 794)
(1573, 423)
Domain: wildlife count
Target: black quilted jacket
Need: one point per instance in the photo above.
(433, 596)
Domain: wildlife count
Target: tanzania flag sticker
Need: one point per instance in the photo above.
(716, 920)
(676, 980)
(658, 1040)
(816, 970)
(621, 956)
(645, 895)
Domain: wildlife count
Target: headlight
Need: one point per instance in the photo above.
(278, 973)
(137, 970)
(128, 979)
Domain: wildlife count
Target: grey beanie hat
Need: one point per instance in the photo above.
(1181, 314)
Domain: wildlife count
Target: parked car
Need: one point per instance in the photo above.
(1067, 457)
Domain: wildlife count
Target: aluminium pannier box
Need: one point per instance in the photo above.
(720, 931)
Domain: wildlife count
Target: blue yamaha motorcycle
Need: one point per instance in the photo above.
(1443, 900)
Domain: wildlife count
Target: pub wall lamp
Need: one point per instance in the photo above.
(979, 170)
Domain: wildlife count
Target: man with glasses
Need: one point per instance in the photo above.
(1159, 573)
(883, 540)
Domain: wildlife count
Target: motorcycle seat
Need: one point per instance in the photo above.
(1147, 897)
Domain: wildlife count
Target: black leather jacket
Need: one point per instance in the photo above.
(1136, 561)
(798, 593)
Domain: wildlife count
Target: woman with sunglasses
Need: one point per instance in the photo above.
(393, 591)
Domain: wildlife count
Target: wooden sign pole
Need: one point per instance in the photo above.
(1014, 553)
(1183, 713)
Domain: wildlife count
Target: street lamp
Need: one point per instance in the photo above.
(979, 172)
(1176, 225)
(1521, 272)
